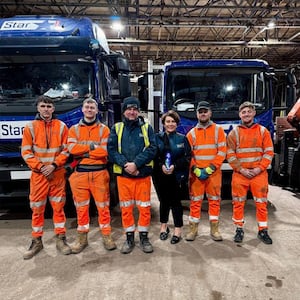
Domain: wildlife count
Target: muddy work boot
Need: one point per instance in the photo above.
(193, 231)
(61, 244)
(239, 235)
(264, 236)
(35, 247)
(145, 243)
(80, 243)
(129, 243)
(214, 231)
(108, 242)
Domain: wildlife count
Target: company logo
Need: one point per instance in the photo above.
(21, 25)
(12, 129)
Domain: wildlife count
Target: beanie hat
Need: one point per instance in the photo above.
(130, 102)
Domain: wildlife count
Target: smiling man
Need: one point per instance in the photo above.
(250, 152)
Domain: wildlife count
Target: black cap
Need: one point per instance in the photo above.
(203, 104)
(130, 102)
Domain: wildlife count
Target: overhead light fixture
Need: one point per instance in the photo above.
(116, 23)
(271, 24)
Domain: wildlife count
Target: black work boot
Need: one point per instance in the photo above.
(145, 243)
(264, 236)
(129, 243)
(35, 247)
(239, 235)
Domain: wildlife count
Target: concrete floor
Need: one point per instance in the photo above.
(202, 269)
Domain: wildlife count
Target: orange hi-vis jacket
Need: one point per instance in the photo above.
(249, 147)
(82, 139)
(208, 145)
(45, 143)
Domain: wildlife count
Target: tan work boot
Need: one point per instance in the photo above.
(61, 244)
(214, 231)
(80, 243)
(35, 247)
(193, 231)
(108, 242)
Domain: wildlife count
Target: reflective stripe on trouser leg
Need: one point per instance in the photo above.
(132, 191)
(81, 196)
(197, 189)
(213, 193)
(57, 198)
(99, 186)
(259, 187)
(39, 188)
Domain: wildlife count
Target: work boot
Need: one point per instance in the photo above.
(239, 235)
(35, 247)
(193, 231)
(214, 231)
(108, 242)
(264, 236)
(80, 243)
(129, 243)
(145, 243)
(61, 244)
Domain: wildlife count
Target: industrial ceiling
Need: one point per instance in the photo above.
(162, 30)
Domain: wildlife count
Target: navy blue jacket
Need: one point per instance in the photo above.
(132, 147)
(180, 154)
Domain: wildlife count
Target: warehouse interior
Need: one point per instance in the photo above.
(163, 30)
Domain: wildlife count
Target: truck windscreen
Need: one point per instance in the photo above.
(22, 83)
(224, 88)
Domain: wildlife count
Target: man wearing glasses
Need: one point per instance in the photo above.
(44, 149)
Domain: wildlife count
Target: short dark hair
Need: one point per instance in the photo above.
(44, 99)
(171, 113)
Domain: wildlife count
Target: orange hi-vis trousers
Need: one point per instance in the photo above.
(85, 184)
(135, 191)
(259, 188)
(53, 189)
(212, 188)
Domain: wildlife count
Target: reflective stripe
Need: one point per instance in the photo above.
(239, 199)
(143, 228)
(25, 157)
(37, 229)
(213, 218)
(83, 227)
(101, 226)
(247, 150)
(197, 198)
(57, 199)
(46, 150)
(260, 200)
(59, 225)
(130, 229)
(38, 203)
(263, 224)
(213, 197)
(238, 221)
(82, 203)
(126, 203)
(204, 157)
(143, 203)
(194, 220)
(102, 204)
(250, 159)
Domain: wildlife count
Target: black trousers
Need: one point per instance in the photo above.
(169, 195)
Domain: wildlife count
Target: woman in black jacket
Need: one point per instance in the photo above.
(170, 177)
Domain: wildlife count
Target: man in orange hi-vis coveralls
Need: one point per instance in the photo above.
(87, 142)
(208, 144)
(250, 152)
(44, 149)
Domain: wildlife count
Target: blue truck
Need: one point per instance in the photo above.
(223, 83)
(66, 59)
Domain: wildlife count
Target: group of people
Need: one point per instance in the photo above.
(178, 164)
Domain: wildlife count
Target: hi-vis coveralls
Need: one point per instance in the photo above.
(250, 147)
(91, 176)
(133, 141)
(45, 143)
(208, 146)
